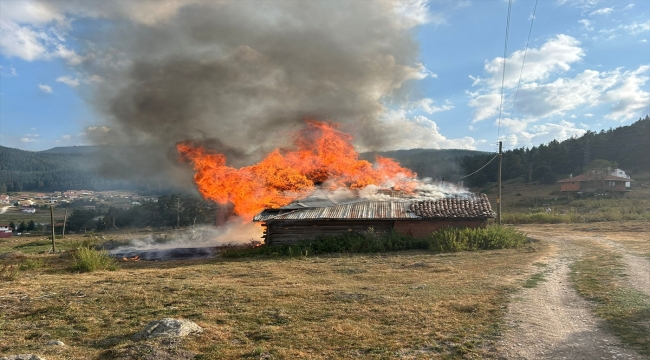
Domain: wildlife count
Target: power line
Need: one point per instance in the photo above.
(505, 54)
(482, 167)
(522, 67)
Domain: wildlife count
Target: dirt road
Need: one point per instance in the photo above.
(551, 320)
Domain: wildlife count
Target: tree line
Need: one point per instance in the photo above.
(628, 146)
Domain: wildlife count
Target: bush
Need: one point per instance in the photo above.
(30, 264)
(444, 240)
(470, 239)
(89, 260)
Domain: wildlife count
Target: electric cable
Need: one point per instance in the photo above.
(503, 75)
(481, 168)
(532, 20)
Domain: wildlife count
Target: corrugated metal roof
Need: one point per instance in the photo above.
(361, 210)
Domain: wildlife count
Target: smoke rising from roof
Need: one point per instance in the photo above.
(241, 75)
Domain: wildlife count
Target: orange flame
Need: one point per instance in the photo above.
(323, 156)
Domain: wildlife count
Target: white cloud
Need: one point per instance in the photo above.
(525, 132)
(588, 25)
(28, 140)
(66, 137)
(45, 88)
(31, 43)
(623, 91)
(643, 41)
(486, 105)
(556, 55)
(427, 106)
(601, 11)
(32, 135)
(582, 4)
(588, 115)
(8, 71)
(68, 80)
(628, 7)
(422, 132)
(636, 28)
(628, 97)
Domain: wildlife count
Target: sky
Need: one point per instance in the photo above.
(438, 85)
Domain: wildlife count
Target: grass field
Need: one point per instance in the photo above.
(525, 203)
(410, 304)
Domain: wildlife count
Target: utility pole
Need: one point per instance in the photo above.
(499, 184)
(587, 159)
(52, 221)
(65, 218)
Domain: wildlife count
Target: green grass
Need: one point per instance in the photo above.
(444, 240)
(30, 264)
(534, 280)
(584, 210)
(626, 311)
(89, 260)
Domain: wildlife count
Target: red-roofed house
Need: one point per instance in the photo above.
(591, 182)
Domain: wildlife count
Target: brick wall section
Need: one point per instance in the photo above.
(570, 186)
(422, 228)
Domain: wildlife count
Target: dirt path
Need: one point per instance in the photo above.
(4, 209)
(551, 321)
(637, 268)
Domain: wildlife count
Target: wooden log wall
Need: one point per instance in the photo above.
(288, 232)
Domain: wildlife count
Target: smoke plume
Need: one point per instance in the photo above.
(242, 75)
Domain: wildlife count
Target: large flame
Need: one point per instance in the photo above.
(324, 156)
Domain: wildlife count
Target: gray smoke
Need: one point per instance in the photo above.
(241, 75)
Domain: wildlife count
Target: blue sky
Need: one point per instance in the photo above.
(586, 68)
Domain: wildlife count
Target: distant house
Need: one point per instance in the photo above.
(5, 231)
(89, 207)
(622, 174)
(594, 182)
(28, 210)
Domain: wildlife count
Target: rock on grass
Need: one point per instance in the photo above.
(168, 328)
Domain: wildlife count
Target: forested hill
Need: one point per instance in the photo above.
(75, 167)
(629, 146)
(59, 169)
(431, 163)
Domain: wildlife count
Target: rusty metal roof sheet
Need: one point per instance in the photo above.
(467, 206)
(361, 210)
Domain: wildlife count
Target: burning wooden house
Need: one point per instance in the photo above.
(310, 218)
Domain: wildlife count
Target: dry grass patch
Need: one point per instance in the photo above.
(410, 304)
(627, 233)
(596, 276)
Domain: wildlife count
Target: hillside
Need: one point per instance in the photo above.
(76, 167)
(431, 163)
(60, 169)
(629, 146)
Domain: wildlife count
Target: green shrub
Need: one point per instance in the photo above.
(470, 239)
(88, 260)
(30, 264)
(444, 240)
